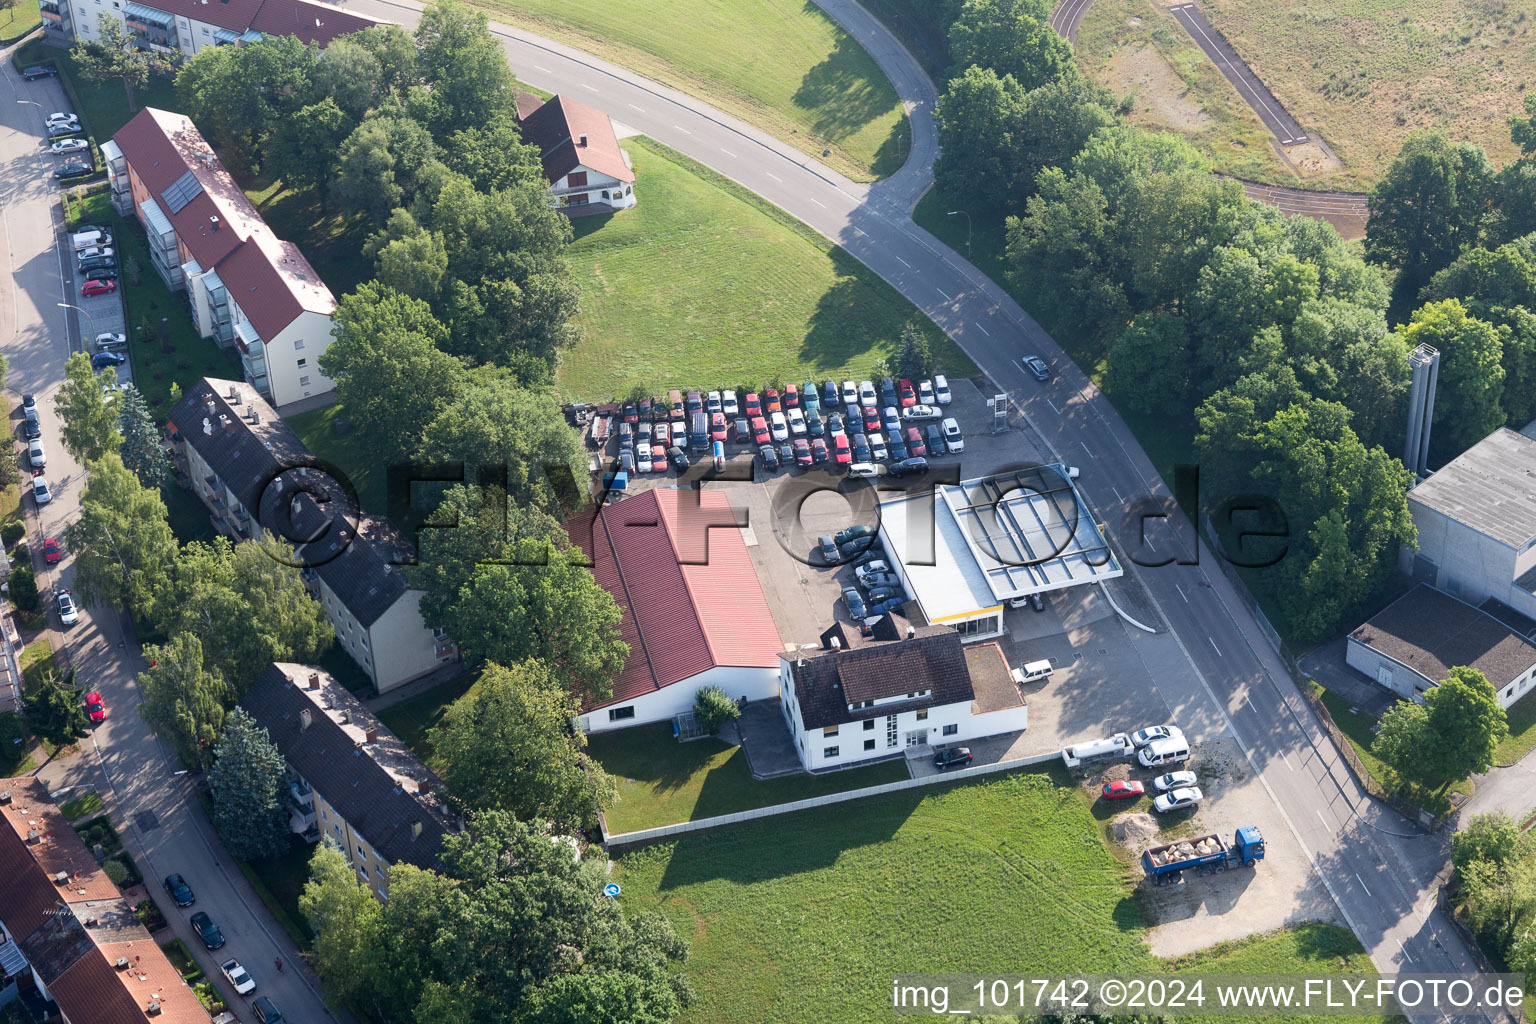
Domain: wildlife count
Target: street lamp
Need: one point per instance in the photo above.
(77, 309)
(967, 216)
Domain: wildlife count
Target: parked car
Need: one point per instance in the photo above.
(827, 547)
(867, 393)
(791, 397)
(796, 420)
(28, 402)
(674, 404)
(74, 168)
(658, 458)
(802, 451)
(867, 470)
(712, 403)
(915, 446)
(878, 452)
(40, 490)
(1037, 368)
(36, 457)
(661, 433)
(180, 892)
(890, 420)
(643, 463)
(770, 456)
(37, 71)
(898, 447)
(1123, 789)
(59, 117)
(861, 448)
(265, 1011)
(679, 458)
(1141, 737)
(855, 548)
(941, 389)
(1174, 780)
(935, 437)
(786, 453)
(855, 532)
(31, 426)
(717, 426)
(856, 607)
(952, 757)
(728, 404)
(631, 414)
(53, 551)
(810, 399)
(906, 394)
(1178, 799)
(925, 394)
(95, 708)
(60, 131)
(101, 274)
(627, 460)
(95, 263)
(97, 288)
(753, 405)
(96, 252)
(876, 553)
(871, 418)
(778, 426)
(207, 930)
(69, 613)
(850, 395)
(835, 423)
(107, 342)
(888, 391)
(68, 146)
(921, 412)
(771, 400)
(742, 431)
(759, 430)
(815, 425)
(842, 452)
(888, 593)
(953, 439)
(694, 403)
(880, 579)
(829, 396)
(908, 467)
(237, 976)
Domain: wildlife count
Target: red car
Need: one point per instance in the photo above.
(631, 415)
(52, 552)
(1122, 789)
(915, 445)
(771, 400)
(841, 453)
(818, 450)
(759, 430)
(871, 419)
(753, 406)
(97, 288)
(94, 708)
(802, 451)
(905, 390)
(717, 426)
(661, 434)
(791, 397)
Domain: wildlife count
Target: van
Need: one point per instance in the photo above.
(1165, 751)
(698, 431)
(86, 239)
(1033, 670)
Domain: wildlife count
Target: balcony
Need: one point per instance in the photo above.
(302, 796)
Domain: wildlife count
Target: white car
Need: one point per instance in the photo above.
(1178, 799)
(1174, 780)
(796, 422)
(35, 454)
(728, 405)
(778, 427)
(59, 117)
(68, 613)
(238, 977)
(925, 393)
(40, 492)
(921, 412)
(941, 389)
(643, 458)
(1141, 737)
(877, 449)
(953, 439)
(850, 394)
(864, 469)
(867, 394)
(97, 252)
(69, 145)
(875, 568)
(712, 402)
(104, 342)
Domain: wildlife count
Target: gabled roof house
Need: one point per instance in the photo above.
(586, 169)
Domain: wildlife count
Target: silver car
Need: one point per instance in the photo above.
(40, 490)
(35, 454)
(1174, 780)
(1178, 799)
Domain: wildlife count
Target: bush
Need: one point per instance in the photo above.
(116, 870)
(24, 588)
(12, 532)
(712, 709)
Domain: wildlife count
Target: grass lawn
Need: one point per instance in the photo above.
(1360, 730)
(705, 284)
(279, 881)
(411, 719)
(1521, 716)
(342, 451)
(37, 661)
(810, 915)
(80, 806)
(662, 781)
(15, 747)
(18, 19)
(781, 65)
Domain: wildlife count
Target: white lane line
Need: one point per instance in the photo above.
(903, 262)
(818, 202)
(1287, 761)
(1058, 413)
(775, 177)
(982, 329)
(1118, 499)
(1215, 648)
(633, 107)
(1323, 819)
(545, 70)
(589, 88)
(1363, 885)
(685, 131)
(941, 292)
(1181, 593)
(1405, 950)
(1085, 448)
(726, 152)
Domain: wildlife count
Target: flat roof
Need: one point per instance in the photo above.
(972, 546)
(1490, 488)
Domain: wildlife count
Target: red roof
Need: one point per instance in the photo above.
(687, 588)
(310, 20)
(557, 128)
(269, 278)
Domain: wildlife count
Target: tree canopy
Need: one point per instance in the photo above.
(122, 542)
(184, 702)
(248, 782)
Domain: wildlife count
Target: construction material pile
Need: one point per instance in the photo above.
(1185, 851)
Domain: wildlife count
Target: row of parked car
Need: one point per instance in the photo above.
(1158, 745)
(63, 131)
(882, 588)
(181, 894)
(96, 262)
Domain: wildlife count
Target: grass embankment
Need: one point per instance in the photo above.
(781, 65)
(705, 284)
(662, 781)
(810, 915)
(18, 19)
(1360, 729)
(15, 747)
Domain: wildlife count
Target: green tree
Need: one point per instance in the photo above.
(1400, 739)
(122, 542)
(1468, 403)
(1012, 37)
(1148, 365)
(350, 77)
(240, 95)
(303, 150)
(395, 51)
(508, 745)
(1434, 201)
(365, 174)
(344, 916)
(53, 709)
(141, 448)
(914, 360)
(90, 419)
(1466, 726)
(1500, 902)
(248, 782)
(980, 116)
(1062, 249)
(23, 588)
(1493, 836)
(713, 707)
(1522, 130)
(467, 66)
(493, 156)
(115, 54)
(183, 701)
(415, 264)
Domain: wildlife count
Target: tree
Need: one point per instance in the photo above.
(123, 546)
(350, 77)
(1522, 130)
(1148, 365)
(1466, 726)
(114, 54)
(713, 707)
(344, 917)
(248, 782)
(467, 66)
(23, 588)
(1434, 201)
(1493, 837)
(90, 419)
(493, 156)
(395, 51)
(184, 702)
(1468, 405)
(1012, 37)
(53, 709)
(141, 449)
(508, 745)
(240, 95)
(1063, 246)
(1500, 900)
(365, 175)
(914, 360)
(303, 149)
(1401, 736)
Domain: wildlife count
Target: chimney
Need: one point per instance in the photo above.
(213, 222)
(229, 424)
(415, 830)
(314, 680)
(306, 716)
(583, 142)
(911, 631)
(372, 735)
(234, 395)
(837, 643)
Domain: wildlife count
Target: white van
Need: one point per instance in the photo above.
(86, 239)
(1165, 751)
(1032, 671)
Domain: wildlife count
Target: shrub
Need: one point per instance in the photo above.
(12, 532)
(24, 588)
(712, 708)
(116, 870)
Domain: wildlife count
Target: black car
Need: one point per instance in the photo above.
(37, 71)
(860, 448)
(877, 594)
(835, 423)
(31, 426)
(887, 392)
(917, 464)
(207, 930)
(936, 445)
(828, 548)
(951, 757)
(96, 263)
(29, 401)
(265, 1012)
(854, 533)
(679, 458)
(1036, 366)
(856, 607)
(73, 169)
(770, 456)
(101, 274)
(179, 890)
(60, 131)
(854, 548)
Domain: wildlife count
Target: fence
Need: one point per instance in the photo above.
(648, 835)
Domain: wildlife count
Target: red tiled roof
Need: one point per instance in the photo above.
(557, 127)
(269, 278)
(308, 20)
(161, 983)
(689, 594)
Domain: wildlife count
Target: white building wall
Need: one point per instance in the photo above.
(1411, 684)
(669, 701)
(1468, 564)
(302, 340)
(621, 195)
(401, 647)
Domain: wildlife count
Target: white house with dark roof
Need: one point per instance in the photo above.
(254, 473)
(189, 26)
(586, 169)
(248, 289)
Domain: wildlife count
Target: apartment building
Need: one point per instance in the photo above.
(189, 26)
(247, 288)
(354, 782)
(254, 473)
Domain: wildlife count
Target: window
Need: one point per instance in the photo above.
(576, 179)
(620, 714)
(298, 343)
(869, 724)
(304, 381)
(581, 200)
(362, 638)
(338, 828)
(951, 729)
(360, 852)
(869, 744)
(828, 751)
(303, 363)
(922, 716)
(830, 730)
(861, 704)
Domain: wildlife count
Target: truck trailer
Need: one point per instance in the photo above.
(1207, 855)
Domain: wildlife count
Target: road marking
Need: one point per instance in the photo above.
(775, 177)
(726, 152)
(1058, 413)
(589, 88)
(545, 70)
(818, 202)
(1085, 448)
(1287, 761)
(1323, 819)
(1363, 885)
(982, 329)
(1215, 648)
(1118, 499)
(1181, 592)
(633, 107)
(685, 131)
(903, 262)
(1405, 950)
(940, 291)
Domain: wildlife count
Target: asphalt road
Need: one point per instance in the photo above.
(1067, 16)
(1236, 70)
(155, 809)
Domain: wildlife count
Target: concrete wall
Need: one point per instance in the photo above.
(1471, 565)
(670, 701)
(403, 648)
(305, 338)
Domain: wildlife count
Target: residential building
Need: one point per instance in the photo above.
(965, 552)
(189, 26)
(354, 782)
(1413, 643)
(71, 947)
(586, 169)
(694, 613)
(254, 473)
(247, 288)
(856, 698)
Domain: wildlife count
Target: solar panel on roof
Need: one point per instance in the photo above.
(182, 191)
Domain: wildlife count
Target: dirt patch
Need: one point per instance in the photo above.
(1135, 830)
(1311, 160)
(1161, 95)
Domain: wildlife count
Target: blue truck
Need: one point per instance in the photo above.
(1208, 854)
